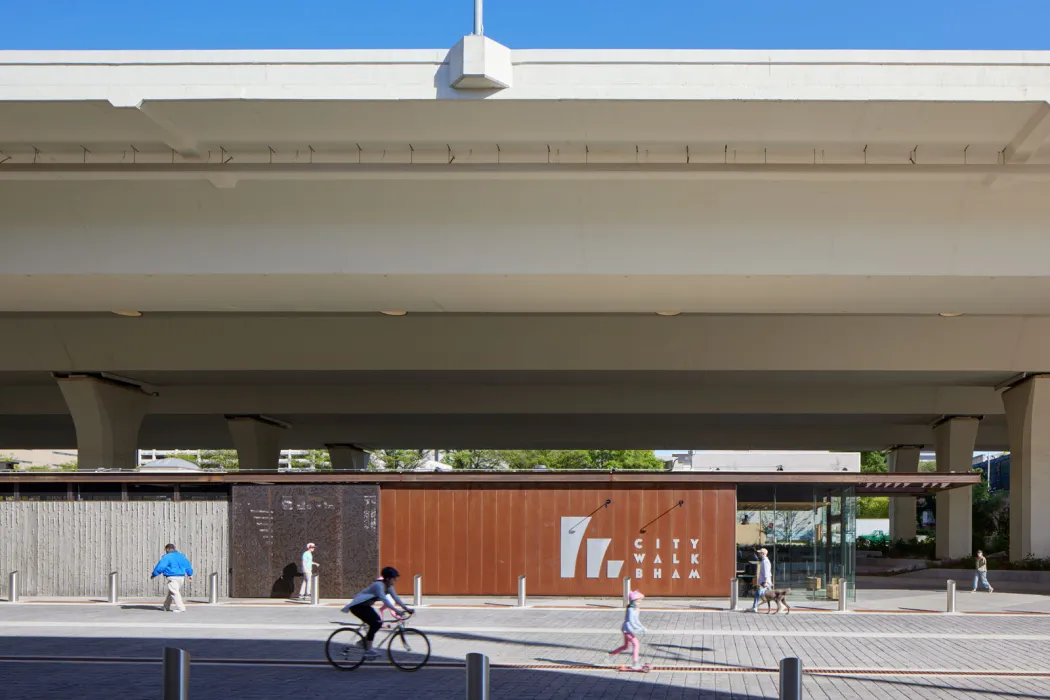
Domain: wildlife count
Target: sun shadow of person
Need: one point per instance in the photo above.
(284, 587)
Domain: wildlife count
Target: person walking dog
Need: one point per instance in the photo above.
(175, 568)
(981, 574)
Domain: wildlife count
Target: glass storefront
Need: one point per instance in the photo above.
(810, 533)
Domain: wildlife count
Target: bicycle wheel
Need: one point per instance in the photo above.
(345, 649)
(409, 649)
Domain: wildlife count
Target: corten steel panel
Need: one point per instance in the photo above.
(271, 525)
(477, 539)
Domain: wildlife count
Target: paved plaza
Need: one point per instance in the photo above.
(253, 650)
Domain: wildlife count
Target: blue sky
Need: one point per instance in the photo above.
(745, 24)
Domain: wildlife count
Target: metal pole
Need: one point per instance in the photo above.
(951, 596)
(791, 678)
(626, 591)
(13, 594)
(176, 674)
(479, 27)
(113, 587)
(734, 593)
(315, 590)
(843, 595)
(417, 590)
(477, 676)
(213, 589)
(521, 591)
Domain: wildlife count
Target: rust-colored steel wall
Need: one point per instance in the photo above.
(477, 540)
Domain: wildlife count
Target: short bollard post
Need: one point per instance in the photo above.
(521, 591)
(626, 591)
(315, 590)
(112, 588)
(13, 594)
(734, 593)
(843, 595)
(790, 678)
(176, 674)
(213, 589)
(951, 596)
(417, 590)
(477, 676)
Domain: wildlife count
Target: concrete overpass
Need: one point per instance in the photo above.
(854, 244)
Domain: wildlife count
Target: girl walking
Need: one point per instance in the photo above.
(631, 628)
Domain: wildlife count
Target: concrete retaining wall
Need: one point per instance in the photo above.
(68, 548)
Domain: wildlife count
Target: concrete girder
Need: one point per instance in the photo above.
(1029, 139)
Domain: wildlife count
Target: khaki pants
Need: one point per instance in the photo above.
(174, 593)
(304, 589)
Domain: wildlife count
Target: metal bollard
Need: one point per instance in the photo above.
(521, 591)
(626, 591)
(734, 593)
(843, 595)
(417, 590)
(113, 588)
(477, 676)
(213, 589)
(790, 678)
(951, 596)
(176, 674)
(13, 593)
(315, 590)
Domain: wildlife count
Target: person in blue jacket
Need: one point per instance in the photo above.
(175, 568)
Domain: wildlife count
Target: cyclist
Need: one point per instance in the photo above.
(382, 591)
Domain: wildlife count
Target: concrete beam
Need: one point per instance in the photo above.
(493, 342)
(1028, 417)
(903, 513)
(257, 440)
(107, 417)
(955, 440)
(1029, 139)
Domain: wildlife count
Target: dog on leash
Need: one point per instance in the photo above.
(771, 596)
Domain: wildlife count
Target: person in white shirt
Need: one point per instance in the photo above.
(764, 580)
(308, 565)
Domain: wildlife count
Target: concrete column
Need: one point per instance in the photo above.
(107, 416)
(348, 458)
(954, 438)
(1028, 420)
(258, 442)
(903, 508)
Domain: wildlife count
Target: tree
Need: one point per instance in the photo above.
(475, 459)
(873, 463)
(219, 459)
(787, 526)
(873, 507)
(397, 460)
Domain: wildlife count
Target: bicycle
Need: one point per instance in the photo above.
(407, 647)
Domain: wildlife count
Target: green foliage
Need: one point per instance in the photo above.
(397, 460)
(873, 507)
(316, 459)
(990, 518)
(873, 462)
(927, 466)
(527, 460)
(219, 459)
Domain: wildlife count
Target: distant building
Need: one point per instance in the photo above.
(764, 461)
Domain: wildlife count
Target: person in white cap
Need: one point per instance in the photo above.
(308, 565)
(764, 580)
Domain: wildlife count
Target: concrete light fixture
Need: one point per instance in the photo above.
(129, 314)
(393, 313)
(948, 314)
(668, 313)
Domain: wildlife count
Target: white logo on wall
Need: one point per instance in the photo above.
(573, 530)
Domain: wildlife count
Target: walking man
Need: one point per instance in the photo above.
(175, 568)
(308, 570)
(982, 573)
(764, 580)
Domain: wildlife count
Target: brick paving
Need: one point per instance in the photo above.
(571, 644)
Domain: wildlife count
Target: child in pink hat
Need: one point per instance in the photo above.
(631, 628)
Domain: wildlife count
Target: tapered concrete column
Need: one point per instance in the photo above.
(902, 508)
(954, 439)
(1028, 419)
(348, 458)
(258, 442)
(107, 416)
